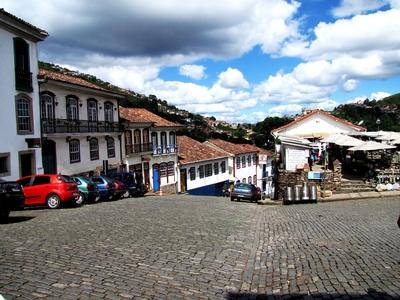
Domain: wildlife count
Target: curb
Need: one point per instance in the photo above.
(359, 196)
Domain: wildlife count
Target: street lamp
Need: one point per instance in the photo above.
(378, 122)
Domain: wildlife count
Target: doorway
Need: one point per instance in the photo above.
(156, 178)
(183, 180)
(27, 163)
(49, 156)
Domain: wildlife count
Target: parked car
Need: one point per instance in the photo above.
(136, 189)
(11, 198)
(49, 189)
(87, 189)
(105, 187)
(121, 190)
(245, 191)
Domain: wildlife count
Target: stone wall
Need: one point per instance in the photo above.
(286, 178)
(168, 189)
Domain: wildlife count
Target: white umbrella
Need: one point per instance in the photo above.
(389, 136)
(371, 146)
(342, 140)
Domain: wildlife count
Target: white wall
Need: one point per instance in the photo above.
(246, 171)
(316, 125)
(10, 141)
(85, 165)
(60, 110)
(200, 182)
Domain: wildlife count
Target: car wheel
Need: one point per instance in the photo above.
(53, 201)
(4, 213)
(126, 194)
(80, 200)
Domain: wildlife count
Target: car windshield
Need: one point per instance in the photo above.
(243, 186)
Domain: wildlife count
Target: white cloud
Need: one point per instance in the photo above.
(285, 110)
(373, 96)
(192, 71)
(232, 79)
(355, 7)
(350, 85)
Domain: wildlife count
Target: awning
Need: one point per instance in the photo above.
(371, 146)
(342, 140)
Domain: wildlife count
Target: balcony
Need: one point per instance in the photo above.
(159, 150)
(78, 126)
(138, 148)
(23, 80)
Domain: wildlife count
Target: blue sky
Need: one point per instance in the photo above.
(238, 60)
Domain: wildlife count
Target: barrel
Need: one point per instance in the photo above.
(297, 193)
(288, 194)
(305, 192)
(313, 193)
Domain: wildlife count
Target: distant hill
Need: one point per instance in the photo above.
(373, 114)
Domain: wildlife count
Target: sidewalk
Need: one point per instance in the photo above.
(343, 197)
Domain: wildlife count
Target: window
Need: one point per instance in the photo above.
(201, 171)
(237, 162)
(110, 147)
(163, 170)
(94, 149)
(192, 173)
(243, 161)
(23, 108)
(38, 180)
(249, 179)
(254, 159)
(216, 169)
(46, 106)
(108, 112)
(92, 115)
(128, 142)
(23, 76)
(154, 139)
(145, 136)
(74, 151)
(137, 140)
(255, 179)
(223, 167)
(244, 180)
(5, 164)
(248, 160)
(163, 141)
(172, 138)
(72, 108)
(170, 168)
(208, 170)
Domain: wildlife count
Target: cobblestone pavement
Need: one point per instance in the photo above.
(203, 247)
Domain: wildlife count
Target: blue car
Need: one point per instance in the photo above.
(105, 187)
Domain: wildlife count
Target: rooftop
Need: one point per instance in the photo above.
(191, 151)
(234, 148)
(141, 115)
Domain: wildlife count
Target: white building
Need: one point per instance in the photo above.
(19, 97)
(80, 125)
(203, 169)
(243, 162)
(316, 124)
(149, 148)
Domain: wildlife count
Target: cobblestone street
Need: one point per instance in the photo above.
(203, 247)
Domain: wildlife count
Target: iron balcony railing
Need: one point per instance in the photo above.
(23, 80)
(160, 150)
(78, 126)
(138, 148)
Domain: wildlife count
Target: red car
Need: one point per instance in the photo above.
(49, 189)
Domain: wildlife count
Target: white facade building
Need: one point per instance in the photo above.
(203, 169)
(316, 124)
(19, 98)
(149, 148)
(80, 125)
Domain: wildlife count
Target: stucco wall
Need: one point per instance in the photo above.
(10, 141)
(246, 171)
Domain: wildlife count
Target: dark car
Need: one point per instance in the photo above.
(135, 188)
(121, 190)
(11, 198)
(105, 187)
(227, 188)
(245, 191)
(87, 189)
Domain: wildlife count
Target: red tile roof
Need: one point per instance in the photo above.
(318, 111)
(142, 115)
(233, 148)
(57, 76)
(191, 151)
(40, 32)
